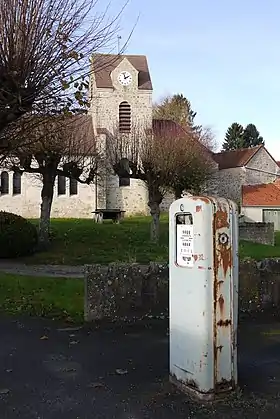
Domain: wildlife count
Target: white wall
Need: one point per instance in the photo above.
(27, 204)
(252, 214)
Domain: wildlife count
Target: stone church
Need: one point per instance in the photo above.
(121, 95)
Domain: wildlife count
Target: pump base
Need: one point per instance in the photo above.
(197, 395)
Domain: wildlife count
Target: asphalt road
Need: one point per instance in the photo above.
(52, 373)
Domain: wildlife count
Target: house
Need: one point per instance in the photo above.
(252, 166)
(261, 203)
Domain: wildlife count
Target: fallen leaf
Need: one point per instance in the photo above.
(70, 329)
(44, 337)
(73, 342)
(121, 372)
(4, 391)
(97, 385)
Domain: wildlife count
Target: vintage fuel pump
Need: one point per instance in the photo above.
(203, 266)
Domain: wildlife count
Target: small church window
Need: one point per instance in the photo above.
(61, 185)
(73, 187)
(124, 117)
(124, 181)
(16, 183)
(4, 183)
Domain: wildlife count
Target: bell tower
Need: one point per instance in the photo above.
(121, 92)
(121, 100)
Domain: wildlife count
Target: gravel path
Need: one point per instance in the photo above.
(55, 271)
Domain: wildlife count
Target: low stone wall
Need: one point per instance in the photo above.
(257, 232)
(132, 291)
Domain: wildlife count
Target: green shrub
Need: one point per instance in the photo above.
(18, 237)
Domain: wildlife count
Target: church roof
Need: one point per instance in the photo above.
(163, 127)
(103, 65)
(235, 158)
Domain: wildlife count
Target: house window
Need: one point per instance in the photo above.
(124, 181)
(4, 183)
(73, 186)
(61, 185)
(124, 117)
(16, 183)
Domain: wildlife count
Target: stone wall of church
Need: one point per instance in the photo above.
(27, 204)
(106, 109)
(133, 199)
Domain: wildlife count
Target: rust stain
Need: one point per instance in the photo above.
(198, 257)
(222, 263)
(224, 385)
(221, 219)
(201, 267)
(224, 323)
(203, 199)
(223, 251)
(221, 303)
(225, 258)
(198, 208)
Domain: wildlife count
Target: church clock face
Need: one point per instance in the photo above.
(125, 78)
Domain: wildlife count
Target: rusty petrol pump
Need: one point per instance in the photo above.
(203, 266)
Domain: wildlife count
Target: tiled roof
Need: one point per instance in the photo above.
(105, 64)
(261, 195)
(235, 158)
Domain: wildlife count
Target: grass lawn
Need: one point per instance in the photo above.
(44, 297)
(80, 241)
(260, 251)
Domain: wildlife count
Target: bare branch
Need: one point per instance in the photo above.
(45, 47)
(165, 157)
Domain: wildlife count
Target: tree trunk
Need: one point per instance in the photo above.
(155, 199)
(178, 192)
(46, 205)
(155, 213)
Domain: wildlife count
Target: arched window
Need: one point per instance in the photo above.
(124, 117)
(73, 186)
(61, 185)
(16, 183)
(4, 183)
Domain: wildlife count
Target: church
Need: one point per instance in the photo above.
(121, 95)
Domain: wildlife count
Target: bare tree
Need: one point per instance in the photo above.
(45, 46)
(207, 137)
(159, 157)
(61, 146)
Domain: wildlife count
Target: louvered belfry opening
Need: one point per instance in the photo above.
(124, 117)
